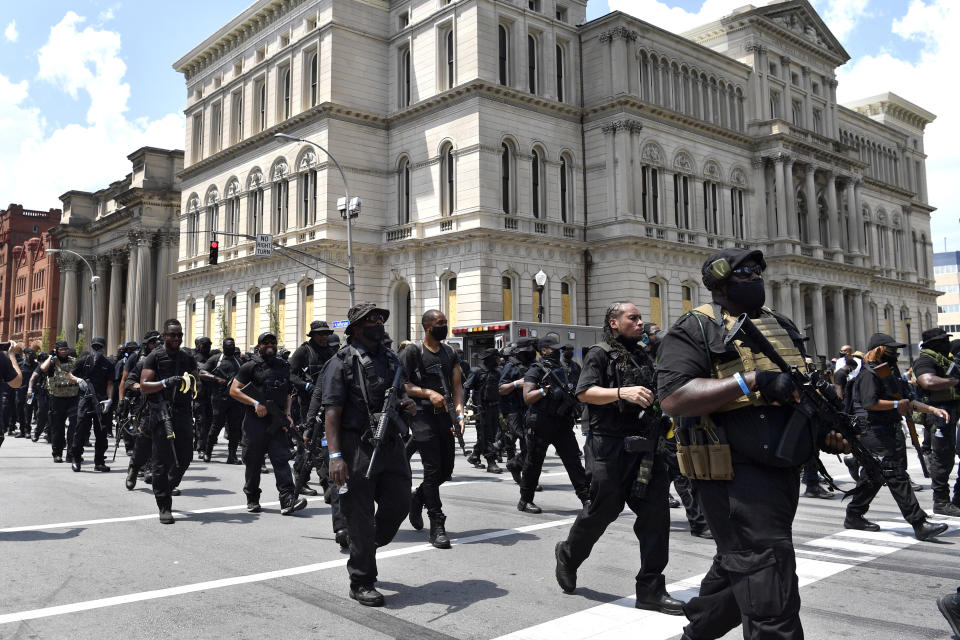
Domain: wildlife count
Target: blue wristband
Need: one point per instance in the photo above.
(336, 455)
(742, 383)
(307, 387)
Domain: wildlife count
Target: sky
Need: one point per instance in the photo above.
(84, 83)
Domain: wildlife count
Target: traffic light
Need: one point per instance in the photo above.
(214, 251)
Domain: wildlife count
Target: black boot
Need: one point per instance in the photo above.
(925, 530)
(492, 466)
(528, 507)
(661, 602)
(131, 481)
(438, 534)
(474, 459)
(860, 523)
(307, 490)
(290, 504)
(101, 467)
(166, 511)
(343, 538)
(367, 596)
(232, 454)
(566, 577)
(416, 511)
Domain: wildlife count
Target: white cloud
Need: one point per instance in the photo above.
(39, 163)
(932, 25)
(842, 16)
(11, 33)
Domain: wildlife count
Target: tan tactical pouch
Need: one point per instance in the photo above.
(706, 458)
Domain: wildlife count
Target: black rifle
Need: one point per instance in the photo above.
(128, 422)
(819, 404)
(279, 420)
(386, 417)
(565, 389)
(451, 407)
(310, 436)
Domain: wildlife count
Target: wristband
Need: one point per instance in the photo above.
(307, 387)
(255, 403)
(742, 383)
(618, 394)
(336, 455)
(543, 392)
(514, 384)
(460, 416)
(896, 403)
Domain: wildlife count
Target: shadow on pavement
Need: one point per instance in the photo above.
(456, 596)
(219, 517)
(597, 596)
(205, 492)
(38, 536)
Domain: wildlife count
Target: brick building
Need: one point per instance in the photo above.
(29, 279)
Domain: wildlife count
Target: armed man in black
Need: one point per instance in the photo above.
(483, 383)
(356, 384)
(38, 398)
(11, 377)
(202, 409)
(134, 361)
(63, 398)
(436, 385)
(625, 430)
(512, 406)
(169, 379)
(217, 375)
(551, 412)
(25, 410)
(263, 385)
(937, 377)
(305, 364)
(876, 394)
(725, 394)
(93, 373)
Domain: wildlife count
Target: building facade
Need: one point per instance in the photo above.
(491, 139)
(127, 235)
(946, 270)
(26, 309)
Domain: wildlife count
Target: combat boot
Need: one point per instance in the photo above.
(566, 577)
(343, 538)
(367, 596)
(492, 466)
(528, 507)
(416, 511)
(131, 482)
(166, 510)
(474, 459)
(291, 504)
(101, 467)
(860, 523)
(946, 509)
(924, 530)
(232, 454)
(438, 534)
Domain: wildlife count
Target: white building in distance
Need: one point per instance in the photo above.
(490, 139)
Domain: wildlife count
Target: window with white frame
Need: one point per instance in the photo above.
(503, 54)
(650, 193)
(313, 77)
(307, 215)
(711, 207)
(283, 93)
(533, 64)
(196, 140)
(236, 116)
(737, 217)
(233, 218)
(447, 57)
(447, 180)
(403, 191)
(281, 202)
(681, 200)
(260, 97)
(566, 182)
(536, 183)
(508, 162)
(561, 73)
(216, 127)
(404, 93)
(255, 211)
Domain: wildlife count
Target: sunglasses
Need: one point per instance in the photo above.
(744, 272)
(375, 317)
(174, 335)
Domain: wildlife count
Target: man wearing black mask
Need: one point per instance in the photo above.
(512, 406)
(93, 373)
(305, 365)
(63, 398)
(217, 374)
(724, 392)
(626, 429)
(265, 423)
(876, 395)
(431, 368)
(25, 411)
(940, 390)
(483, 384)
(202, 407)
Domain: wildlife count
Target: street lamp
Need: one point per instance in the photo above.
(79, 332)
(94, 279)
(343, 204)
(906, 322)
(541, 280)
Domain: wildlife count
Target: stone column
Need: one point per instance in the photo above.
(99, 328)
(146, 291)
(163, 281)
(868, 320)
(839, 324)
(779, 161)
(784, 304)
(797, 299)
(793, 225)
(859, 326)
(133, 263)
(819, 319)
(68, 267)
(114, 337)
(813, 219)
(832, 214)
(758, 212)
(757, 86)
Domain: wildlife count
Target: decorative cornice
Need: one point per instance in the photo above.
(618, 32)
(629, 125)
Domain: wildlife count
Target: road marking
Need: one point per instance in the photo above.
(619, 619)
(112, 601)
(238, 507)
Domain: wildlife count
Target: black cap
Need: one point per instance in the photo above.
(567, 346)
(360, 311)
(548, 342)
(333, 340)
(131, 344)
(883, 340)
(525, 344)
(61, 344)
(936, 333)
(489, 353)
(99, 341)
(734, 257)
(266, 334)
(321, 327)
(203, 340)
(151, 335)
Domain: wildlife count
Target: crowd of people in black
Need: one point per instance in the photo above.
(718, 410)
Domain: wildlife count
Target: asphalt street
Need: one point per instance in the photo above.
(81, 557)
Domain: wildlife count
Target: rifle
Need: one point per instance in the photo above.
(883, 370)
(818, 403)
(128, 424)
(451, 408)
(279, 417)
(566, 391)
(387, 415)
(310, 435)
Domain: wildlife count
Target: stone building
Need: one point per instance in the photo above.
(491, 139)
(946, 270)
(127, 233)
(28, 281)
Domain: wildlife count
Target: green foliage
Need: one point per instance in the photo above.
(274, 315)
(45, 341)
(80, 344)
(222, 325)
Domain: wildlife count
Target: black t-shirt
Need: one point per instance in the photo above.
(616, 418)
(164, 365)
(7, 372)
(926, 364)
(95, 369)
(271, 378)
(871, 388)
(423, 366)
(840, 377)
(339, 392)
(513, 401)
(483, 383)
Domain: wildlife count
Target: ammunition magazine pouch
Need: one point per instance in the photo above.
(701, 454)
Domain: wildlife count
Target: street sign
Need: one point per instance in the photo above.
(341, 324)
(264, 245)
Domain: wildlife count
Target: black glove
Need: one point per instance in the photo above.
(173, 382)
(775, 386)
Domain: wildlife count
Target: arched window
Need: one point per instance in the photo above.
(449, 59)
(401, 318)
(681, 200)
(253, 317)
(233, 214)
(447, 180)
(213, 218)
(566, 182)
(532, 64)
(536, 166)
(403, 190)
(506, 297)
(507, 164)
(281, 206)
(737, 215)
(566, 303)
(404, 92)
(262, 105)
(308, 197)
(650, 193)
(286, 93)
(255, 210)
(561, 76)
(193, 226)
(450, 287)
(503, 55)
(314, 78)
(711, 207)
(306, 306)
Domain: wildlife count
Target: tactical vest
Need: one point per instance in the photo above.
(367, 389)
(273, 378)
(941, 396)
(166, 367)
(61, 386)
(490, 387)
(773, 331)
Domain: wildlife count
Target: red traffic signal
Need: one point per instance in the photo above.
(214, 251)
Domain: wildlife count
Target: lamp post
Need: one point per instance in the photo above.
(345, 205)
(79, 332)
(541, 280)
(906, 322)
(94, 279)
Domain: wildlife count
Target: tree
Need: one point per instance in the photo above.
(274, 315)
(222, 325)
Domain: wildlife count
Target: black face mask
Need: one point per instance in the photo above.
(552, 357)
(746, 294)
(525, 357)
(439, 333)
(373, 332)
(890, 357)
(629, 343)
(940, 346)
(229, 348)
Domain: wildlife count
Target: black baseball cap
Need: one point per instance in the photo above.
(935, 333)
(883, 340)
(265, 335)
(734, 256)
